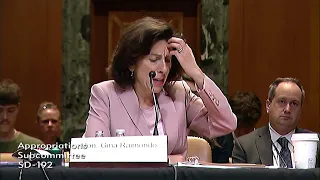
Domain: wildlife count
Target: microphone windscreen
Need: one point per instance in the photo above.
(43, 152)
(25, 154)
(152, 74)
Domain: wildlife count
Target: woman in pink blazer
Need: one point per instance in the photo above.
(127, 103)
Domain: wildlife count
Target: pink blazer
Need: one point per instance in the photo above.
(113, 108)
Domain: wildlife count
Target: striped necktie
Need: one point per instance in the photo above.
(285, 153)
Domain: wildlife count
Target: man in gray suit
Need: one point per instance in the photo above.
(271, 144)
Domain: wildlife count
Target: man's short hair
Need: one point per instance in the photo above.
(9, 92)
(274, 85)
(247, 107)
(47, 105)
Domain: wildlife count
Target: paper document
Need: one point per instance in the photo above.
(220, 165)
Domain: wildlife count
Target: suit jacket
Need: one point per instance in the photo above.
(224, 152)
(256, 147)
(114, 108)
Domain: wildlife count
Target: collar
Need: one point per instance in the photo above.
(275, 135)
(14, 137)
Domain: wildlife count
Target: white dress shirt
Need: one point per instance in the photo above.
(274, 137)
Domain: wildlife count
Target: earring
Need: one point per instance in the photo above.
(131, 74)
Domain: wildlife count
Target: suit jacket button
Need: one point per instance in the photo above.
(217, 102)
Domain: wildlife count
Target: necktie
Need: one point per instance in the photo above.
(285, 153)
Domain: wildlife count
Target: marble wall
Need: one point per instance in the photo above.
(214, 41)
(76, 57)
(75, 66)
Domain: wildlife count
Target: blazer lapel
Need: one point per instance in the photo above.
(169, 119)
(264, 146)
(130, 103)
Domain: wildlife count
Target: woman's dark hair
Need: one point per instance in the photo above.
(247, 107)
(136, 42)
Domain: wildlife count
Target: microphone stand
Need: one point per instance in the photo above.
(152, 74)
(20, 173)
(16, 155)
(44, 172)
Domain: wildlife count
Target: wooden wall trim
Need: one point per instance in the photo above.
(99, 27)
(270, 39)
(236, 45)
(31, 54)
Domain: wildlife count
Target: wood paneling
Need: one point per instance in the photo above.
(100, 42)
(30, 54)
(270, 39)
(118, 21)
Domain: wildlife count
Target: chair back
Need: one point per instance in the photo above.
(199, 147)
(7, 157)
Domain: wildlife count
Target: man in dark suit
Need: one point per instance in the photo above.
(271, 144)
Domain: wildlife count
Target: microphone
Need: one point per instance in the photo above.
(280, 156)
(26, 156)
(152, 74)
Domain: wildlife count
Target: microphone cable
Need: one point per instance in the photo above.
(42, 168)
(174, 171)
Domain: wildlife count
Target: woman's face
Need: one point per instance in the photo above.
(159, 61)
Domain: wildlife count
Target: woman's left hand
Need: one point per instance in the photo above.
(184, 54)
